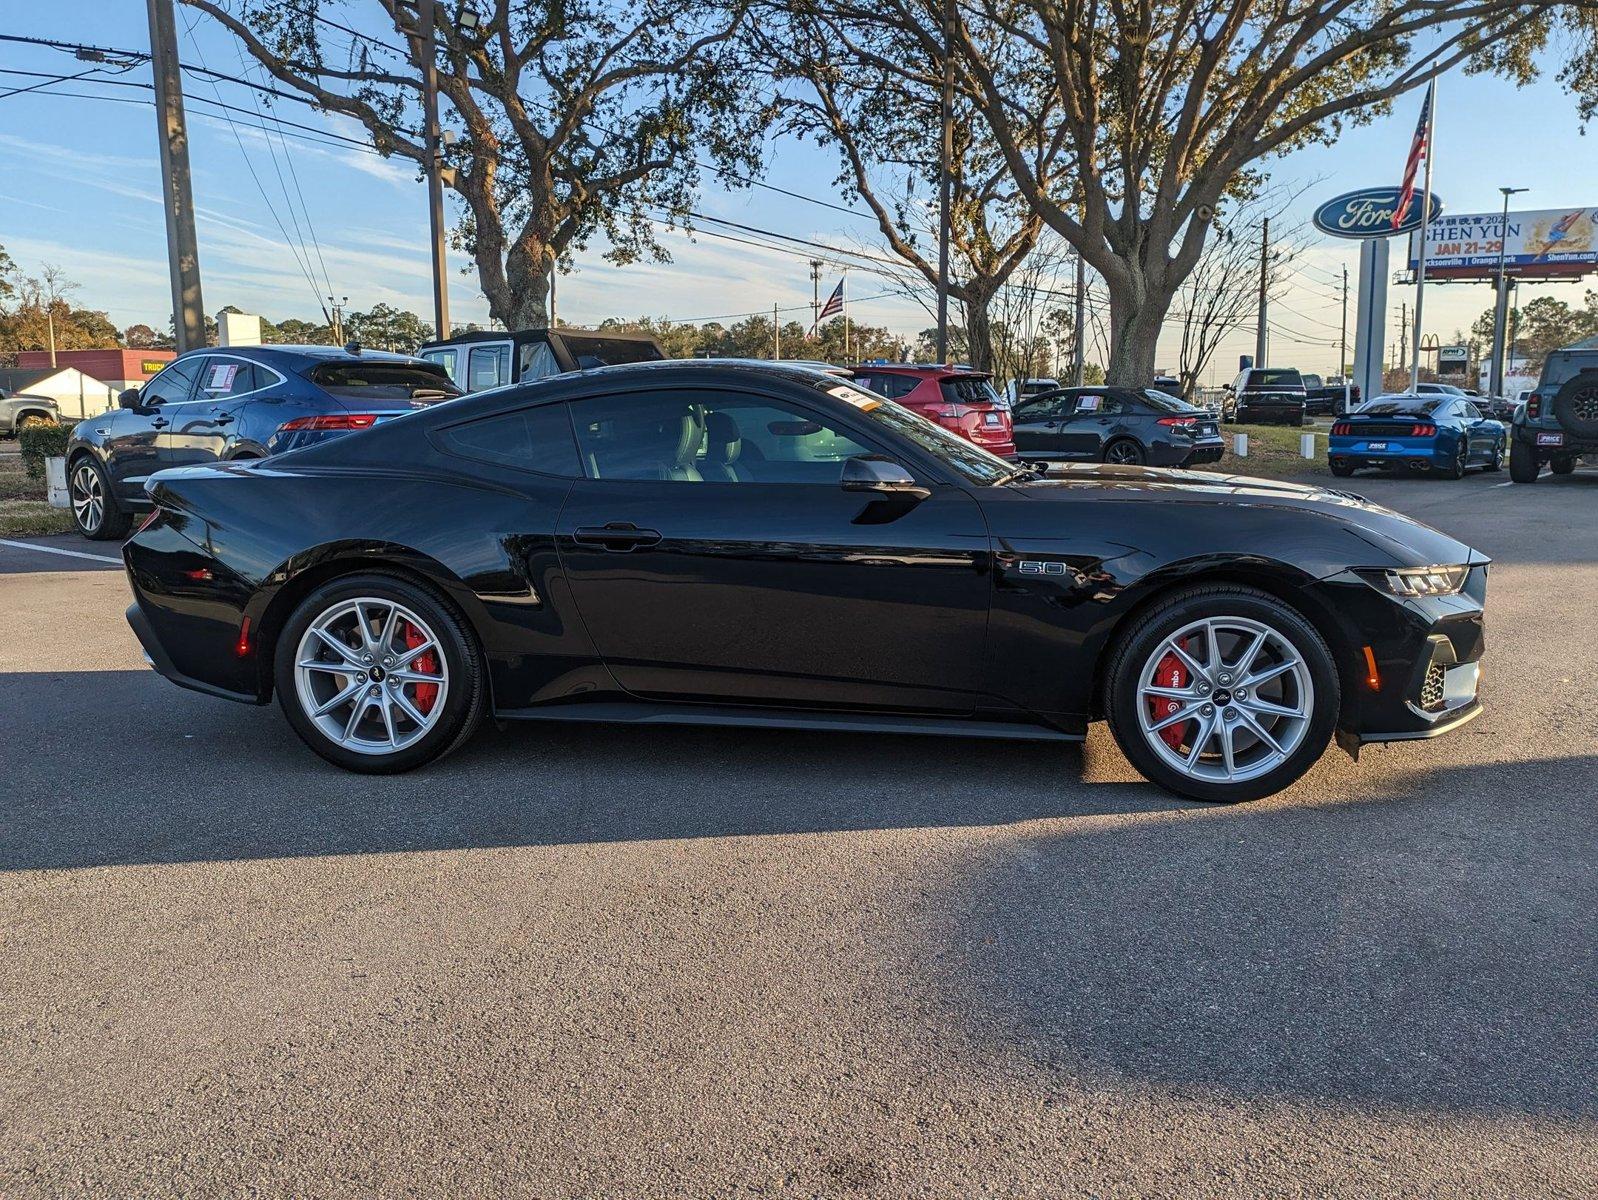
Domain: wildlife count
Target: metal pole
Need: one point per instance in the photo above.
(427, 37)
(1495, 385)
(1079, 351)
(1425, 220)
(776, 330)
(815, 295)
(49, 320)
(945, 180)
(1342, 361)
(1265, 259)
(183, 255)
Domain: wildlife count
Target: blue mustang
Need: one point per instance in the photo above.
(227, 404)
(1442, 434)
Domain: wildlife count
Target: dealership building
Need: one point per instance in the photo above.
(85, 382)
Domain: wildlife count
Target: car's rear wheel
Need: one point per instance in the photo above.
(1342, 470)
(1125, 452)
(1222, 694)
(94, 508)
(378, 675)
(1523, 464)
(1456, 469)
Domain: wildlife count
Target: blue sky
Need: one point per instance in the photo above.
(81, 191)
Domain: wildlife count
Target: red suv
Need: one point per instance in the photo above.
(955, 398)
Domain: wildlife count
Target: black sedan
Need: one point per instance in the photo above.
(230, 405)
(1132, 426)
(762, 545)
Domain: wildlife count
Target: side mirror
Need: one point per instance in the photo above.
(130, 399)
(874, 473)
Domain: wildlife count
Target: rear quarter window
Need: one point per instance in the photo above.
(531, 439)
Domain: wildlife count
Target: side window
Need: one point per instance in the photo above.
(709, 436)
(1472, 411)
(447, 360)
(894, 387)
(538, 362)
(533, 439)
(487, 367)
(222, 377)
(172, 385)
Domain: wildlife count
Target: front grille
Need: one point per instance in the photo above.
(1431, 692)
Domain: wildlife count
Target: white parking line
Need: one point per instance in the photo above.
(56, 550)
(1511, 483)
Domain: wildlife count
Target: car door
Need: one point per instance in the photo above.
(1089, 425)
(1036, 423)
(714, 555)
(133, 447)
(202, 427)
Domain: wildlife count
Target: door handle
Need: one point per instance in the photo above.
(160, 423)
(224, 419)
(618, 536)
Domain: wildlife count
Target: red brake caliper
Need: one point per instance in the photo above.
(1171, 674)
(425, 664)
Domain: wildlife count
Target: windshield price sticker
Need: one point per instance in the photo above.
(1089, 403)
(222, 377)
(861, 400)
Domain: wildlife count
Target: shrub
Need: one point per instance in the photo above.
(40, 442)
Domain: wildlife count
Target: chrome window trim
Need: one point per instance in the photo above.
(254, 362)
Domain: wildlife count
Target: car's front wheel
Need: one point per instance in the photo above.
(378, 675)
(1222, 693)
(94, 508)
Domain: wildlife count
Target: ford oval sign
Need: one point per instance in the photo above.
(1368, 213)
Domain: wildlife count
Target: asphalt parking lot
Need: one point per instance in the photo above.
(581, 961)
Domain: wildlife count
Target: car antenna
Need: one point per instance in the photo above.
(352, 347)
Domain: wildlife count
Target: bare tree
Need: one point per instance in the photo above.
(1166, 107)
(575, 117)
(886, 127)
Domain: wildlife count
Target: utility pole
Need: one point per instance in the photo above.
(1403, 334)
(1265, 261)
(776, 329)
(1342, 361)
(336, 312)
(183, 255)
(815, 295)
(945, 180)
(427, 51)
(1495, 385)
(1079, 348)
(49, 320)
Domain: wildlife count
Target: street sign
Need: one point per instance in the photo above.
(1453, 360)
(1368, 213)
(1539, 244)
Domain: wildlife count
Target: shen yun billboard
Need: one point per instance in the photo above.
(1549, 243)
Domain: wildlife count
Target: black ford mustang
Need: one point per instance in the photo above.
(749, 544)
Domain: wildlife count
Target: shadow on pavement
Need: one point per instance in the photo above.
(183, 778)
(1435, 948)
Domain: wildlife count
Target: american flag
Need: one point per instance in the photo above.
(1418, 149)
(833, 306)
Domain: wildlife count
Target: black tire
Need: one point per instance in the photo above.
(1140, 641)
(1523, 464)
(1496, 462)
(1342, 470)
(112, 521)
(1562, 466)
(1125, 452)
(465, 700)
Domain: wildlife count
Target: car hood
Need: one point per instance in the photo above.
(1405, 541)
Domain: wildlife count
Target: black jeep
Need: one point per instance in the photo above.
(1558, 424)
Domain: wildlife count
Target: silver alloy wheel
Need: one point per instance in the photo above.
(88, 498)
(1241, 698)
(371, 675)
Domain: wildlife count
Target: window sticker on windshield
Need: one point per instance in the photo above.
(221, 377)
(859, 399)
(1089, 403)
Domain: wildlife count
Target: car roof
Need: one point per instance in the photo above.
(926, 370)
(316, 353)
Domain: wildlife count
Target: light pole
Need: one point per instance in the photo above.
(1495, 386)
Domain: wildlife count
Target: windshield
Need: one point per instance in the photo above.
(384, 380)
(1264, 377)
(1165, 402)
(1386, 406)
(972, 463)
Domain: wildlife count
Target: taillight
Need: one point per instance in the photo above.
(950, 412)
(1342, 429)
(1177, 422)
(1534, 405)
(1422, 430)
(330, 421)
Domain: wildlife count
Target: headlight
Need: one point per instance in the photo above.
(1420, 581)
